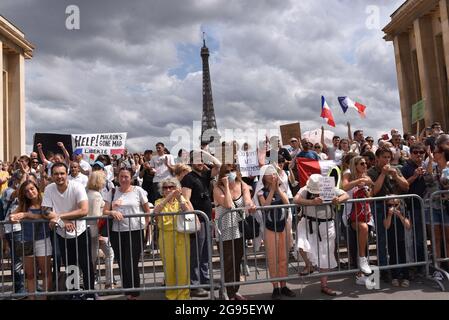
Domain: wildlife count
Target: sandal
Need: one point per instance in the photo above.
(307, 270)
(328, 291)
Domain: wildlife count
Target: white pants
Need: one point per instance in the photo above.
(320, 252)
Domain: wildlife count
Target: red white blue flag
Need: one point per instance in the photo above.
(346, 102)
(307, 167)
(326, 112)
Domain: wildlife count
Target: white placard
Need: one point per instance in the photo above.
(327, 188)
(249, 163)
(92, 145)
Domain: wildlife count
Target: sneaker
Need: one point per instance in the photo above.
(405, 283)
(276, 295)
(287, 292)
(364, 266)
(395, 283)
(200, 293)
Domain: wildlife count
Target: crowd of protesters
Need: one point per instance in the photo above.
(61, 189)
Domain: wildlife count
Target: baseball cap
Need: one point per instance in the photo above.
(98, 163)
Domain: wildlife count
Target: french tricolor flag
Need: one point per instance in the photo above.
(307, 167)
(346, 102)
(326, 112)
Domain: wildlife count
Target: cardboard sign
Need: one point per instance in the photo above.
(288, 131)
(249, 163)
(418, 111)
(92, 145)
(49, 143)
(327, 188)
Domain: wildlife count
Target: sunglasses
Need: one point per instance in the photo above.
(317, 147)
(419, 152)
(168, 187)
(293, 141)
(369, 141)
(362, 163)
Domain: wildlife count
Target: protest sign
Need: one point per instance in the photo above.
(49, 143)
(288, 131)
(418, 110)
(327, 188)
(92, 145)
(248, 163)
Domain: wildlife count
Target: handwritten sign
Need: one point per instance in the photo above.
(327, 188)
(92, 145)
(249, 163)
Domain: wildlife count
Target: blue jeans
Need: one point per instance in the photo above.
(16, 265)
(199, 257)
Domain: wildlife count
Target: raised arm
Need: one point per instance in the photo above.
(349, 132)
(222, 196)
(323, 143)
(41, 154)
(210, 158)
(66, 155)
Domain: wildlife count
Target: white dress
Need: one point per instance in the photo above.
(317, 237)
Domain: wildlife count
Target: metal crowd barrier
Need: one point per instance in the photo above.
(64, 265)
(389, 252)
(440, 234)
(270, 262)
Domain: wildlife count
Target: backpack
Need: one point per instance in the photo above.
(361, 211)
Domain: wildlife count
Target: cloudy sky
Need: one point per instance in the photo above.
(134, 66)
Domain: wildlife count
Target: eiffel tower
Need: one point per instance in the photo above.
(208, 121)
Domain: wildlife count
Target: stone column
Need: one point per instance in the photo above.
(3, 155)
(444, 12)
(16, 108)
(406, 83)
(428, 70)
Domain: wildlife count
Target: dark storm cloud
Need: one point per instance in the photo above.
(275, 60)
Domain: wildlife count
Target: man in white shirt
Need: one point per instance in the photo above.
(68, 201)
(162, 165)
(85, 167)
(76, 175)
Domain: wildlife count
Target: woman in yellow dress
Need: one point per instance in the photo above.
(174, 246)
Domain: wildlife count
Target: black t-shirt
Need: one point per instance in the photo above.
(418, 186)
(147, 183)
(430, 141)
(200, 197)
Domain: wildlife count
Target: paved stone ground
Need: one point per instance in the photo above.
(420, 289)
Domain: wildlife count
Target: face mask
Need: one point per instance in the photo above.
(232, 176)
